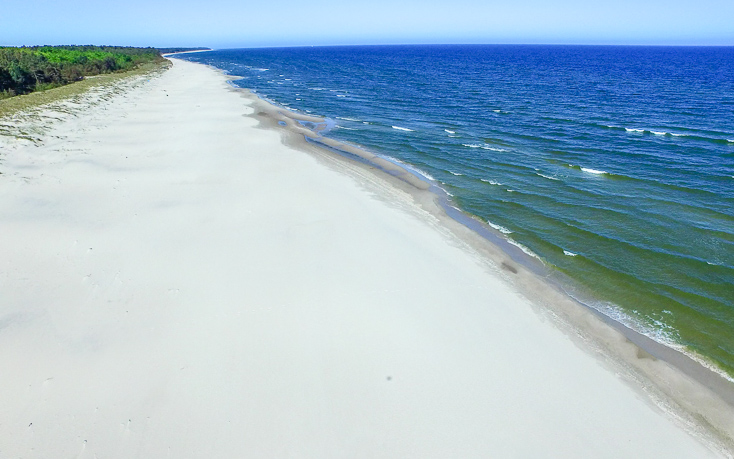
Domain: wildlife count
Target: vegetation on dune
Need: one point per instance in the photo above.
(27, 69)
(12, 105)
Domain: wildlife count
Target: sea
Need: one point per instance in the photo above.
(612, 165)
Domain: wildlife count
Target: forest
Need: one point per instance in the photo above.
(27, 69)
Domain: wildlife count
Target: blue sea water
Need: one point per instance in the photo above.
(614, 165)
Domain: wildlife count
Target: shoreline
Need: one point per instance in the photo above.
(632, 350)
(634, 260)
(180, 280)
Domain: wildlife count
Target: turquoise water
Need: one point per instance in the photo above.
(614, 165)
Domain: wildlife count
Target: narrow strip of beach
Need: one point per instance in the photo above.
(178, 282)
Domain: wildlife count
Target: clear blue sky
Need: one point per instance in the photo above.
(245, 23)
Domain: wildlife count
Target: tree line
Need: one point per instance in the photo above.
(27, 69)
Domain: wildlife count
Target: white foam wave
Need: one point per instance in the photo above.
(497, 111)
(455, 173)
(340, 95)
(593, 171)
(663, 333)
(491, 182)
(420, 172)
(346, 128)
(410, 167)
(523, 248)
(499, 228)
(450, 132)
(402, 129)
(547, 176)
(730, 140)
(660, 133)
(570, 254)
(347, 119)
(483, 146)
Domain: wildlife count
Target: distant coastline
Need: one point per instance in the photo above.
(172, 51)
(167, 51)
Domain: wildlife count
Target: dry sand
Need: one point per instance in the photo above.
(176, 282)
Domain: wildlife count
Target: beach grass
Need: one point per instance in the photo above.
(16, 104)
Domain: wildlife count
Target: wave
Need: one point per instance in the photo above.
(499, 228)
(402, 129)
(547, 176)
(588, 170)
(346, 128)
(569, 254)
(680, 135)
(455, 173)
(523, 248)
(491, 182)
(410, 167)
(450, 132)
(607, 126)
(349, 119)
(647, 131)
(593, 171)
(483, 146)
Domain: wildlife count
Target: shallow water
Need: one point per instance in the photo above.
(615, 165)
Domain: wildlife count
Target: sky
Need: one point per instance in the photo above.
(244, 23)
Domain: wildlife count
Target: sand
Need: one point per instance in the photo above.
(177, 282)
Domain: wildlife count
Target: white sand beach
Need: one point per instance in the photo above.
(175, 281)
